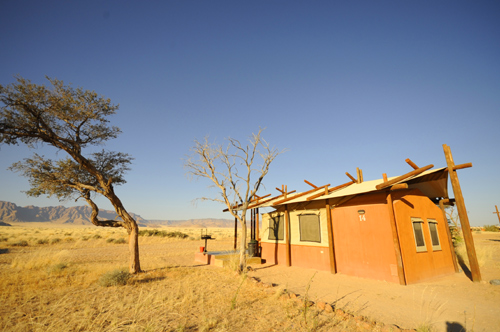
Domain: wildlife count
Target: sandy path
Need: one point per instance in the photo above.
(449, 303)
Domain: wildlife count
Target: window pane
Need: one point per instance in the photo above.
(434, 234)
(419, 234)
(276, 228)
(310, 229)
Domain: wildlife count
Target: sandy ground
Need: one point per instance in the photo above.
(450, 303)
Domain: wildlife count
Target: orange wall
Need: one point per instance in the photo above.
(364, 246)
(311, 257)
(420, 266)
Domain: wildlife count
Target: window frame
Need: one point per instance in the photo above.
(319, 227)
(435, 247)
(415, 220)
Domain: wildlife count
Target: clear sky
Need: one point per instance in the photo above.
(340, 84)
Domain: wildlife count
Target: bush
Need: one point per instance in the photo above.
(42, 241)
(4, 239)
(57, 268)
(22, 243)
(110, 240)
(120, 241)
(114, 278)
(156, 232)
(55, 240)
(97, 236)
(491, 228)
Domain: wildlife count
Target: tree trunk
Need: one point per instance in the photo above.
(132, 228)
(133, 247)
(243, 244)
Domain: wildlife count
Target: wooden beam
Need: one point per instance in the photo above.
(261, 197)
(462, 214)
(411, 163)
(462, 166)
(331, 246)
(497, 213)
(384, 177)
(395, 240)
(448, 234)
(309, 183)
(299, 195)
(330, 190)
(251, 206)
(351, 177)
(359, 176)
(399, 186)
(287, 237)
(278, 189)
(403, 177)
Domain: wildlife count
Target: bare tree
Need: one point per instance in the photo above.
(234, 171)
(69, 120)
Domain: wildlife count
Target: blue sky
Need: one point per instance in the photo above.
(339, 84)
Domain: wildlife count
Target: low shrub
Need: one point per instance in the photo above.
(156, 232)
(4, 239)
(55, 240)
(22, 243)
(57, 268)
(491, 228)
(110, 240)
(97, 236)
(114, 278)
(42, 241)
(120, 241)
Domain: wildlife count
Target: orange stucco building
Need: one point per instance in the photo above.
(397, 234)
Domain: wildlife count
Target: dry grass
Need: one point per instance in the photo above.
(49, 286)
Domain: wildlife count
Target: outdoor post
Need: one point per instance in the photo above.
(448, 233)
(257, 221)
(395, 239)
(462, 214)
(331, 247)
(287, 237)
(497, 213)
(235, 231)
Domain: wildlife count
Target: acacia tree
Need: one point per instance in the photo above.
(233, 170)
(70, 120)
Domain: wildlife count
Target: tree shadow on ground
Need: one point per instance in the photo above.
(454, 327)
(4, 251)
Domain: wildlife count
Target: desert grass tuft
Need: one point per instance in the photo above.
(114, 278)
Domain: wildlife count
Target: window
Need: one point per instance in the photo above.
(434, 234)
(418, 231)
(310, 229)
(276, 228)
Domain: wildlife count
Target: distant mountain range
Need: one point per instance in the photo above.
(80, 215)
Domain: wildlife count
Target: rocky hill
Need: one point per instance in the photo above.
(80, 215)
